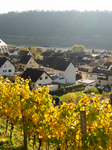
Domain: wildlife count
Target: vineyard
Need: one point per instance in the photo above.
(33, 114)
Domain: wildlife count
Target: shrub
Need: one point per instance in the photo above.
(91, 89)
(100, 91)
(56, 99)
(69, 97)
(62, 91)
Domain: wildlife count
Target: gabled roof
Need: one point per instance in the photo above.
(107, 64)
(33, 74)
(47, 62)
(2, 61)
(56, 63)
(22, 52)
(25, 59)
(2, 43)
(58, 54)
(72, 55)
(40, 62)
(47, 53)
(61, 64)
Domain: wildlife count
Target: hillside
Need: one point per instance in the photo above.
(49, 28)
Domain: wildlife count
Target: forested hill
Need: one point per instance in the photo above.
(48, 28)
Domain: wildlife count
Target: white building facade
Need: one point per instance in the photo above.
(3, 47)
(7, 69)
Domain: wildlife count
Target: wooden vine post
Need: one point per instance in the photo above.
(83, 128)
(24, 128)
(25, 133)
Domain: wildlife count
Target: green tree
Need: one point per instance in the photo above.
(37, 56)
(55, 49)
(11, 47)
(40, 50)
(24, 48)
(78, 48)
(33, 48)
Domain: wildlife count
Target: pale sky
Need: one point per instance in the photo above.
(81, 5)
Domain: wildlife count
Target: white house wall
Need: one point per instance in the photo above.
(15, 53)
(103, 82)
(31, 64)
(3, 47)
(43, 81)
(7, 69)
(53, 87)
(59, 73)
(70, 74)
(91, 76)
(109, 80)
(62, 81)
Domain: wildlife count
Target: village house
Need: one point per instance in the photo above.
(13, 52)
(23, 52)
(6, 67)
(3, 47)
(108, 65)
(65, 75)
(102, 77)
(83, 70)
(46, 54)
(39, 77)
(63, 70)
(27, 61)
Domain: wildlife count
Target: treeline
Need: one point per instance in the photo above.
(49, 28)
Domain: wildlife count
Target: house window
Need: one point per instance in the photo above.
(30, 62)
(9, 70)
(4, 70)
(59, 73)
(46, 77)
(40, 78)
(99, 81)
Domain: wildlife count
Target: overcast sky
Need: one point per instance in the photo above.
(81, 5)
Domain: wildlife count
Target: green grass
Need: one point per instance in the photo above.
(78, 94)
(71, 97)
